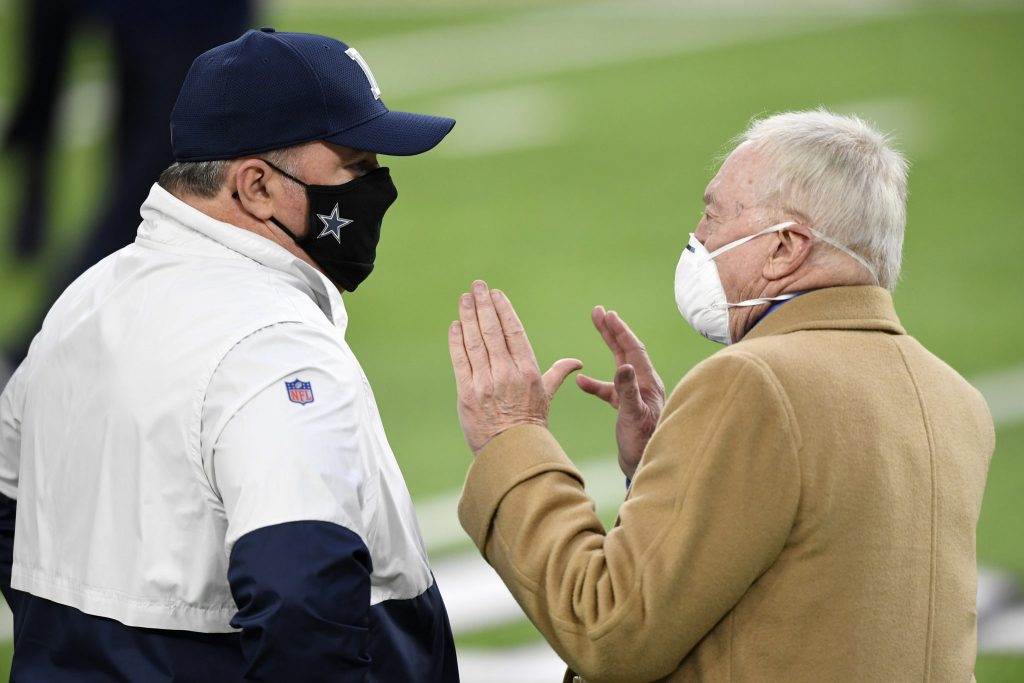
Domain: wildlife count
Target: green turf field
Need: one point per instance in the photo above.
(593, 199)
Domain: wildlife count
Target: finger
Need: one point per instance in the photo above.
(474, 344)
(624, 337)
(515, 334)
(633, 350)
(490, 327)
(599, 317)
(561, 369)
(595, 387)
(628, 390)
(460, 361)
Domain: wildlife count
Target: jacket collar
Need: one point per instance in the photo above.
(833, 308)
(169, 221)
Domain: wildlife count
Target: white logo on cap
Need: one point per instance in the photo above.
(374, 88)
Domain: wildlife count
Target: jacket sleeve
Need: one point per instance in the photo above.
(11, 408)
(8, 515)
(303, 591)
(287, 458)
(12, 403)
(709, 510)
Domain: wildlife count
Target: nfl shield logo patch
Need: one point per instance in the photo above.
(299, 392)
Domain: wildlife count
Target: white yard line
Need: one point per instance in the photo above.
(561, 40)
(473, 594)
(1004, 391)
(996, 590)
(505, 119)
(1003, 633)
(438, 516)
(534, 43)
(540, 115)
(526, 664)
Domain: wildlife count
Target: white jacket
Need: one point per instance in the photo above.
(144, 433)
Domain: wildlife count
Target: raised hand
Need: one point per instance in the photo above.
(496, 373)
(637, 391)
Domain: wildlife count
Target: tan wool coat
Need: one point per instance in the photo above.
(805, 511)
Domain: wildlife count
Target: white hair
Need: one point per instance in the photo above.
(842, 175)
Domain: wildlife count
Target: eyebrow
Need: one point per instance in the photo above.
(709, 198)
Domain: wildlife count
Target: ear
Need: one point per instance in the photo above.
(251, 179)
(792, 250)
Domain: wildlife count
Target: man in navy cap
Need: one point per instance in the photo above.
(194, 481)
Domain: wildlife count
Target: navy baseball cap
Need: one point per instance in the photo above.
(267, 90)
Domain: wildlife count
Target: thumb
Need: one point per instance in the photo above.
(561, 369)
(627, 389)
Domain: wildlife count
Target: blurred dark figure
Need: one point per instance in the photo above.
(154, 42)
(30, 132)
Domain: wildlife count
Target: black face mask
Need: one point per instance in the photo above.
(344, 224)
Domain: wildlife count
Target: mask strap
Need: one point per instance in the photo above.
(743, 240)
(779, 227)
(295, 238)
(289, 176)
(759, 302)
(276, 222)
(283, 172)
(849, 252)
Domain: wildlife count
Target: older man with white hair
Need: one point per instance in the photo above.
(803, 507)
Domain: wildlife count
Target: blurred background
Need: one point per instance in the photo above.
(587, 132)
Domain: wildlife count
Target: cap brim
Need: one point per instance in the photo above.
(396, 133)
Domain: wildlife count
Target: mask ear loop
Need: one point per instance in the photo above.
(779, 227)
(285, 173)
(849, 252)
(289, 176)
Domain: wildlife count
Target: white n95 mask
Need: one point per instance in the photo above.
(699, 293)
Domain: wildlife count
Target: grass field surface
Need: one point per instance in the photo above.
(587, 132)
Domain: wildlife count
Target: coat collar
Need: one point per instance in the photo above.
(833, 308)
(168, 220)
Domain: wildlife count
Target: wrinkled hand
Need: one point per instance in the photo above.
(636, 392)
(496, 372)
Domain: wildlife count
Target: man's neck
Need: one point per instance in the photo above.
(831, 274)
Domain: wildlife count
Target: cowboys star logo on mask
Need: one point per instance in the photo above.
(333, 223)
